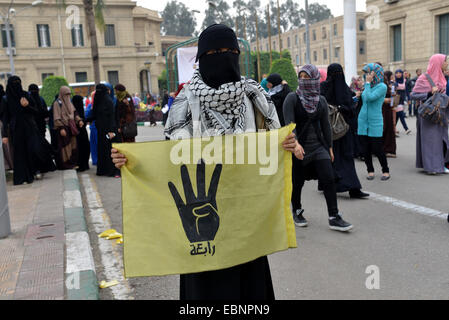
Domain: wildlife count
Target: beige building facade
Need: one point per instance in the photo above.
(326, 43)
(404, 34)
(130, 47)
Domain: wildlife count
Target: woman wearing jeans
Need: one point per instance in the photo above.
(309, 111)
(370, 121)
(401, 92)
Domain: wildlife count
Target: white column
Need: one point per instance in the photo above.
(350, 39)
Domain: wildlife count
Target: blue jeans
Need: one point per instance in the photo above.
(401, 115)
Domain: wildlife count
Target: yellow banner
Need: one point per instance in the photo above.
(206, 203)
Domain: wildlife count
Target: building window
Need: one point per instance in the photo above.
(77, 35)
(81, 76)
(314, 35)
(335, 29)
(444, 34)
(324, 33)
(304, 37)
(45, 75)
(274, 45)
(296, 40)
(113, 78)
(361, 24)
(281, 45)
(337, 53)
(315, 56)
(324, 54)
(267, 47)
(396, 32)
(109, 35)
(4, 39)
(288, 42)
(361, 47)
(297, 59)
(43, 35)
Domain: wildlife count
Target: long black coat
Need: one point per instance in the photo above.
(103, 113)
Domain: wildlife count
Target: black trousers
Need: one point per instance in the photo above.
(321, 169)
(370, 146)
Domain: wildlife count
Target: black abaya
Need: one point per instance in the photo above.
(248, 281)
(337, 93)
(82, 138)
(104, 115)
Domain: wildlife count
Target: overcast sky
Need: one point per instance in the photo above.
(336, 6)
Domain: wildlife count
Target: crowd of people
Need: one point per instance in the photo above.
(25, 116)
(335, 124)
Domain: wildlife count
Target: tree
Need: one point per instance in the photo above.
(317, 13)
(94, 17)
(265, 61)
(291, 14)
(285, 68)
(218, 14)
(178, 20)
(51, 86)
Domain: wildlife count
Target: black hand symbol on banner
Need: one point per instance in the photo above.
(199, 215)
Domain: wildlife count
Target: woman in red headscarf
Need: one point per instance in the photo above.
(432, 139)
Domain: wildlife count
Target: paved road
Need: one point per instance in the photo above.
(394, 231)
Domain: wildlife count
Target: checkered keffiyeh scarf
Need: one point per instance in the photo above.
(226, 102)
(309, 89)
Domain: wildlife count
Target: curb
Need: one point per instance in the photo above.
(80, 276)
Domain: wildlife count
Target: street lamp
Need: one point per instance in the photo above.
(7, 19)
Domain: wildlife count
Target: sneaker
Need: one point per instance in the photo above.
(391, 155)
(408, 132)
(446, 170)
(298, 218)
(337, 223)
(38, 176)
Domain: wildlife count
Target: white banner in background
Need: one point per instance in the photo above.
(186, 63)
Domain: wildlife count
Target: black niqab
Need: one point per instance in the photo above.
(218, 68)
(335, 89)
(275, 79)
(77, 101)
(14, 89)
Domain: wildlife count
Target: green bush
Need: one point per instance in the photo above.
(51, 87)
(265, 61)
(285, 68)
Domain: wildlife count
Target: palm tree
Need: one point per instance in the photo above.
(94, 17)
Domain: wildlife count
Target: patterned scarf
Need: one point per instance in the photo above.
(309, 89)
(378, 73)
(226, 102)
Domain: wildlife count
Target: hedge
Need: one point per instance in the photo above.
(285, 68)
(51, 87)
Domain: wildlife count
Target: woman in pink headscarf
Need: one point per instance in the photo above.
(323, 75)
(432, 140)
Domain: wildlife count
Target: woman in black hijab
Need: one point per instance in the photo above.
(42, 110)
(7, 154)
(278, 90)
(103, 113)
(82, 139)
(30, 152)
(224, 103)
(337, 93)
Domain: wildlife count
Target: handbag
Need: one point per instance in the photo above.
(129, 130)
(434, 108)
(73, 128)
(338, 124)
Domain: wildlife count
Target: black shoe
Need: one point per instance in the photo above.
(300, 221)
(337, 223)
(358, 194)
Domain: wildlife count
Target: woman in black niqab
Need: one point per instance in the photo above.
(31, 154)
(337, 93)
(103, 113)
(42, 110)
(82, 139)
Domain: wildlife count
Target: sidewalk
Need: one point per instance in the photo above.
(33, 258)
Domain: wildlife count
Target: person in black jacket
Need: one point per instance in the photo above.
(42, 111)
(309, 111)
(105, 119)
(338, 94)
(278, 91)
(82, 139)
